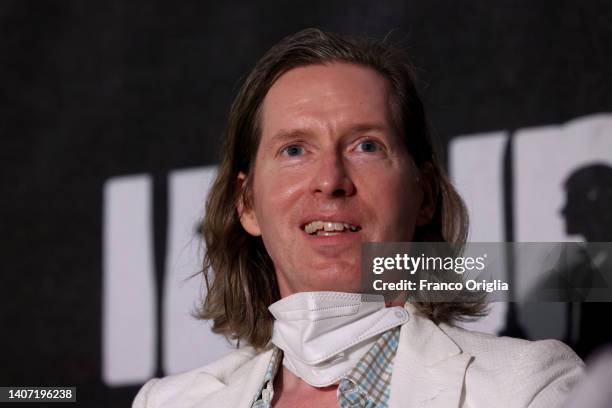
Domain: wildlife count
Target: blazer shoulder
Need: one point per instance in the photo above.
(539, 373)
(508, 348)
(201, 381)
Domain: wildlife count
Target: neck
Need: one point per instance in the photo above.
(398, 300)
(288, 386)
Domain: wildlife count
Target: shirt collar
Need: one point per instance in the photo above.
(368, 384)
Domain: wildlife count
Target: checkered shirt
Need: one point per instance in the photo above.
(367, 385)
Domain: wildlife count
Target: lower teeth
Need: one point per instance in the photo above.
(325, 233)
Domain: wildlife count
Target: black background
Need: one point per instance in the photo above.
(91, 90)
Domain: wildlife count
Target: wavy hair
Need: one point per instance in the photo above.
(238, 271)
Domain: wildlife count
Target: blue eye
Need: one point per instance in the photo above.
(293, 150)
(368, 146)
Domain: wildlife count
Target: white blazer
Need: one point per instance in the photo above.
(435, 367)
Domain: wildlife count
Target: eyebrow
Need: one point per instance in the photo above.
(288, 134)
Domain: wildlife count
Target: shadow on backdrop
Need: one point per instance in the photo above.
(588, 192)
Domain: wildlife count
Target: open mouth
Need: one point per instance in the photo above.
(327, 228)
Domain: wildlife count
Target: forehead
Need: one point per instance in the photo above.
(331, 96)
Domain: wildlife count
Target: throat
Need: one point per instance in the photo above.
(291, 391)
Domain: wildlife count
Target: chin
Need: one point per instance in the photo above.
(336, 281)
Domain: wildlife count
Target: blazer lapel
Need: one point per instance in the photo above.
(242, 386)
(429, 368)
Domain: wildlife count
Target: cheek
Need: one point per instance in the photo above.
(393, 205)
(401, 204)
(276, 196)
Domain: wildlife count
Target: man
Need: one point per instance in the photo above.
(328, 147)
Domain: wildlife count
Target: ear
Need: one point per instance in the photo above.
(429, 190)
(246, 213)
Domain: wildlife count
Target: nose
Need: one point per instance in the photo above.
(331, 178)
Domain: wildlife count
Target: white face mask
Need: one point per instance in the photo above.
(324, 334)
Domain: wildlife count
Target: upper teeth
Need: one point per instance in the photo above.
(315, 226)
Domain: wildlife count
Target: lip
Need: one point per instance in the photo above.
(337, 241)
(333, 240)
(335, 217)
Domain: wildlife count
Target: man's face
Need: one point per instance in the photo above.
(329, 158)
(575, 211)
